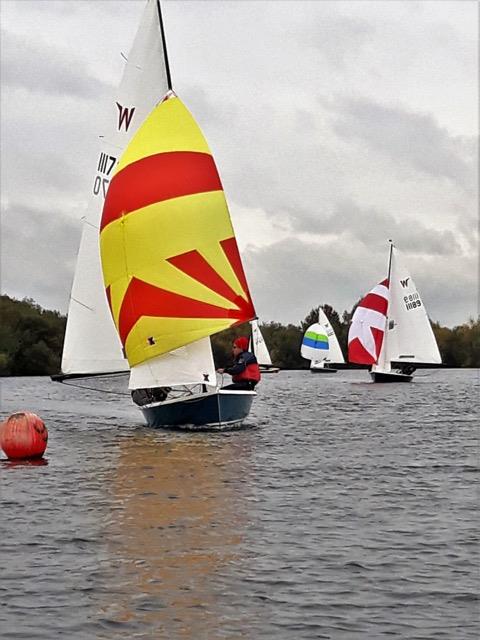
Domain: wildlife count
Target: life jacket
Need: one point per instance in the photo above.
(251, 371)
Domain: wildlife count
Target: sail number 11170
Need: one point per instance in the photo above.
(104, 169)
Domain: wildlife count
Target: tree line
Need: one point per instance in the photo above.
(31, 339)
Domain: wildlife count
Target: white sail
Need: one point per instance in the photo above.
(335, 353)
(259, 347)
(315, 344)
(91, 343)
(188, 365)
(409, 336)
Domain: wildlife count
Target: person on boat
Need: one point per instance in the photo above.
(147, 396)
(245, 371)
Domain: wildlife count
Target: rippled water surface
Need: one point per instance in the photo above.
(343, 510)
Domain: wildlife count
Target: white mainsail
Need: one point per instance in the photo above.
(335, 354)
(187, 365)
(409, 336)
(91, 343)
(259, 347)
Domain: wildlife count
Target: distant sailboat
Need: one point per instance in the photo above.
(172, 273)
(335, 355)
(316, 345)
(390, 328)
(259, 348)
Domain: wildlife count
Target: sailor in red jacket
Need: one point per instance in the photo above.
(245, 371)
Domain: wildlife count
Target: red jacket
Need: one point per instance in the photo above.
(245, 367)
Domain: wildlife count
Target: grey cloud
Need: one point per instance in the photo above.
(41, 68)
(336, 38)
(39, 251)
(291, 277)
(373, 228)
(412, 139)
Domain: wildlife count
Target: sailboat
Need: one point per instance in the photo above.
(390, 329)
(259, 348)
(315, 344)
(158, 270)
(335, 355)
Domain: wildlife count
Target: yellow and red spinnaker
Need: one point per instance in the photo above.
(170, 261)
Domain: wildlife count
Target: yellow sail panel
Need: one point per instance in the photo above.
(167, 244)
(174, 130)
(196, 220)
(172, 333)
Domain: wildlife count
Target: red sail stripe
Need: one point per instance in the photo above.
(194, 264)
(357, 353)
(378, 336)
(159, 177)
(230, 249)
(375, 302)
(144, 299)
(108, 291)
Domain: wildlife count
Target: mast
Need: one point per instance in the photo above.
(384, 345)
(164, 44)
(253, 336)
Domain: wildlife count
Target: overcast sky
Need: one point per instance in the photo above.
(334, 125)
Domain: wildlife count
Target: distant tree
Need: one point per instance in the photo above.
(31, 339)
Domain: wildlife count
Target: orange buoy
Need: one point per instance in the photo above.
(23, 435)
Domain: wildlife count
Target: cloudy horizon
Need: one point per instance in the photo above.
(335, 126)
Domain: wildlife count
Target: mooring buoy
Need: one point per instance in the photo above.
(23, 435)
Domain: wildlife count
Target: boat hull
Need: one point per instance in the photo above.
(390, 376)
(269, 370)
(219, 410)
(322, 370)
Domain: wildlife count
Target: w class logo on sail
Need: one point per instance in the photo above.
(172, 269)
(365, 337)
(125, 115)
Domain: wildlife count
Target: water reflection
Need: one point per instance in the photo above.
(27, 462)
(175, 531)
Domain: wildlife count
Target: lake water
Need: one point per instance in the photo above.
(343, 510)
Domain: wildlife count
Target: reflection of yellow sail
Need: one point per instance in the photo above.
(178, 523)
(170, 261)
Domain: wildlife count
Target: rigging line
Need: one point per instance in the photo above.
(79, 386)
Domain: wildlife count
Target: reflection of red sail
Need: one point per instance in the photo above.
(174, 535)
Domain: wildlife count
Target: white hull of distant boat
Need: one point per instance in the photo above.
(264, 369)
(324, 369)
